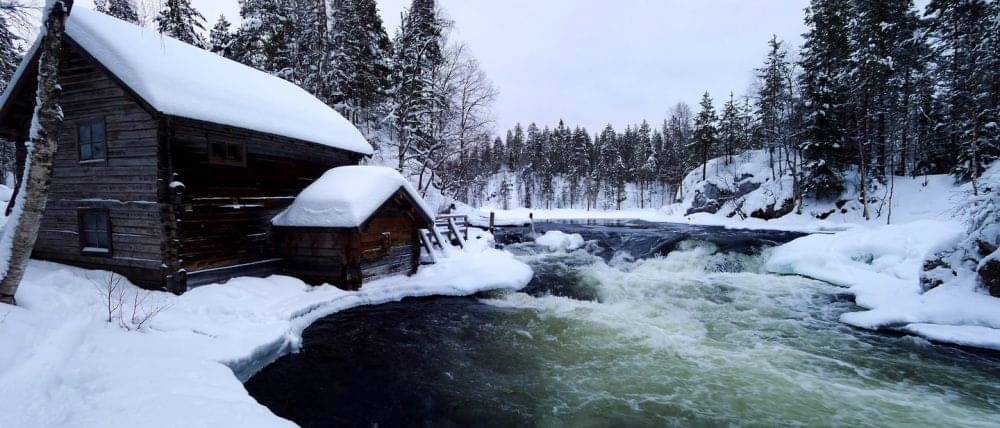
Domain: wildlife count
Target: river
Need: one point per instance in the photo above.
(648, 325)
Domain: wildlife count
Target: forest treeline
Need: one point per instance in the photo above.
(878, 89)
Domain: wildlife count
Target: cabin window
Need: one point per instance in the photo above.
(95, 231)
(91, 137)
(227, 153)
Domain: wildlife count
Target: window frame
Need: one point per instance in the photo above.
(79, 143)
(226, 161)
(81, 215)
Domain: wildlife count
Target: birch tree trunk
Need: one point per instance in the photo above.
(45, 127)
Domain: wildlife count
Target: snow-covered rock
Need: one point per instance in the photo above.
(743, 185)
(556, 240)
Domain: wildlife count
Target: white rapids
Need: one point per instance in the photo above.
(704, 336)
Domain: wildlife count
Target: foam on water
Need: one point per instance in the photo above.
(701, 335)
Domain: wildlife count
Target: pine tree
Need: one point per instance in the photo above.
(247, 41)
(180, 20)
(962, 53)
(731, 128)
(308, 44)
(515, 148)
(10, 55)
(772, 103)
(360, 59)
(417, 56)
(880, 31)
(825, 63)
(498, 155)
(578, 157)
(221, 38)
(614, 164)
(287, 38)
(705, 134)
(124, 10)
(912, 77)
(644, 161)
(679, 137)
(595, 166)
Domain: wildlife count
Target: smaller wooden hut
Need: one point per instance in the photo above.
(353, 225)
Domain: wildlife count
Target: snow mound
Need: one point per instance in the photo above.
(556, 240)
(185, 81)
(346, 197)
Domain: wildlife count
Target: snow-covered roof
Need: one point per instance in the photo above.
(181, 80)
(347, 197)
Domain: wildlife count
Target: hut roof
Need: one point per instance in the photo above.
(181, 80)
(347, 197)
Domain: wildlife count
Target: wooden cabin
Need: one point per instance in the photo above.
(172, 161)
(353, 225)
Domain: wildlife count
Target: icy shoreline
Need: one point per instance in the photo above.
(881, 267)
(65, 365)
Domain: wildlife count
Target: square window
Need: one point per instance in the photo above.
(95, 231)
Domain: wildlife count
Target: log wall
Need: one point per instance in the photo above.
(125, 184)
(349, 257)
(224, 211)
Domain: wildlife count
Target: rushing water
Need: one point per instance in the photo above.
(648, 325)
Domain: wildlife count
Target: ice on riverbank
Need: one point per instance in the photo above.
(881, 266)
(64, 365)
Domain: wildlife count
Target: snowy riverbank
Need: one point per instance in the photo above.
(64, 365)
(881, 266)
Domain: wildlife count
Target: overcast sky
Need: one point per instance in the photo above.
(592, 62)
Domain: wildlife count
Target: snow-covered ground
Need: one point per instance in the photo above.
(65, 365)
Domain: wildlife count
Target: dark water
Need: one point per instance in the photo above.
(643, 239)
(691, 335)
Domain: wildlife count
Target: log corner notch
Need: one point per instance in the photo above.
(41, 150)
